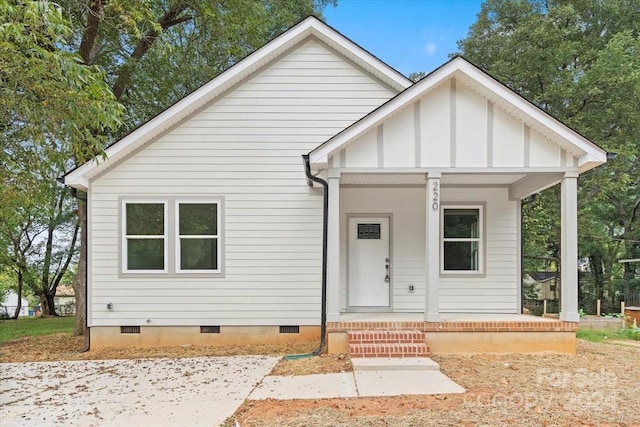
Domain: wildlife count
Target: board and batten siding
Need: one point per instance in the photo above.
(452, 126)
(246, 147)
(494, 292)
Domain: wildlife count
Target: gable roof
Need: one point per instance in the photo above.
(589, 154)
(309, 27)
(544, 276)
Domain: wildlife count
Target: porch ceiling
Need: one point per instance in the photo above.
(419, 179)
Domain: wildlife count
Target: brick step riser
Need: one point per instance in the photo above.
(387, 337)
(389, 350)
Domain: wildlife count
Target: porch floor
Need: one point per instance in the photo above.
(454, 333)
(444, 317)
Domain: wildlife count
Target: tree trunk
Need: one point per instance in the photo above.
(47, 304)
(19, 292)
(79, 282)
(597, 272)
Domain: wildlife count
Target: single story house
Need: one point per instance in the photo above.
(65, 300)
(313, 191)
(10, 303)
(543, 285)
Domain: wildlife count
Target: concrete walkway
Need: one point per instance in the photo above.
(139, 392)
(370, 378)
(201, 391)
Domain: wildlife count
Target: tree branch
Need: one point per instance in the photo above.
(64, 268)
(91, 30)
(171, 17)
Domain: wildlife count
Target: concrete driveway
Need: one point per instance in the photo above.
(201, 391)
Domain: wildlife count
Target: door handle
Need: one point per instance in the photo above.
(387, 278)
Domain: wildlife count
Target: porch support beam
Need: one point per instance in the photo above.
(432, 249)
(569, 248)
(333, 248)
(533, 184)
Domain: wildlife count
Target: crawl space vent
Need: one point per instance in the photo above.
(129, 329)
(209, 329)
(289, 329)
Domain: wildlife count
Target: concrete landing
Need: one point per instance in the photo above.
(394, 364)
(372, 377)
(398, 383)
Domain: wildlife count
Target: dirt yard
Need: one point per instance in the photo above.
(600, 386)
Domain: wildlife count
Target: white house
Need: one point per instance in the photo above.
(10, 303)
(206, 224)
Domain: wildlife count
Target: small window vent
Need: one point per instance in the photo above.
(129, 329)
(209, 329)
(289, 329)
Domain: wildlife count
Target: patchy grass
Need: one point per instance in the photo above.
(34, 326)
(323, 364)
(604, 335)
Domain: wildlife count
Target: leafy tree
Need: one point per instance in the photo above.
(49, 101)
(102, 54)
(580, 61)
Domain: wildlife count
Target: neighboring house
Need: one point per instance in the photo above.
(65, 300)
(8, 307)
(544, 284)
(205, 225)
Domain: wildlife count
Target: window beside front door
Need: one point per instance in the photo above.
(462, 239)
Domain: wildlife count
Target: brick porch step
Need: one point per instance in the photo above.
(387, 344)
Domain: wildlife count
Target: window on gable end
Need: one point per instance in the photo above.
(198, 243)
(144, 246)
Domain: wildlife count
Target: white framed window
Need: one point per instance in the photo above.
(198, 242)
(462, 240)
(144, 236)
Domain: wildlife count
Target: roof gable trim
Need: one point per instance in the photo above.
(461, 69)
(80, 177)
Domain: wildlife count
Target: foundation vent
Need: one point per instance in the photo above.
(209, 329)
(129, 329)
(289, 329)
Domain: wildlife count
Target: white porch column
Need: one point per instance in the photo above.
(569, 248)
(432, 249)
(333, 248)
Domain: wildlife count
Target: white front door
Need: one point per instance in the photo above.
(369, 263)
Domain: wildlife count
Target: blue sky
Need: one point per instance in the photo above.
(409, 35)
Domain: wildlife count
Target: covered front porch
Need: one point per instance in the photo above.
(436, 242)
(423, 218)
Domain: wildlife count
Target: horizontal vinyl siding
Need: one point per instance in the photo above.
(245, 147)
(498, 291)
(495, 292)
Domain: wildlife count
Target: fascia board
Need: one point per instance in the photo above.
(189, 104)
(470, 72)
(534, 113)
(353, 51)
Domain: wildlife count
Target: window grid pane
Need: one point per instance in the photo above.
(145, 254)
(199, 254)
(145, 219)
(198, 219)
